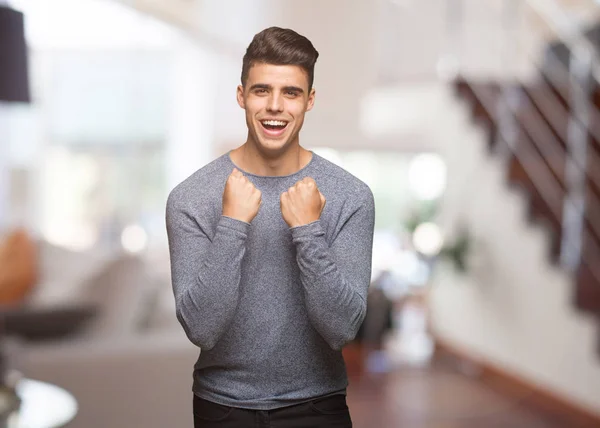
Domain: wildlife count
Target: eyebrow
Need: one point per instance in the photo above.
(285, 88)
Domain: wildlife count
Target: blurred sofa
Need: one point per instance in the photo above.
(131, 364)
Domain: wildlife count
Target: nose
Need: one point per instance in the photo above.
(275, 103)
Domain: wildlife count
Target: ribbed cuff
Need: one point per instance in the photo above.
(235, 224)
(315, 229)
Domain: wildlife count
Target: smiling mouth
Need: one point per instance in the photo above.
(274, 128)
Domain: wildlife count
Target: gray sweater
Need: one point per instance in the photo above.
(270, 306)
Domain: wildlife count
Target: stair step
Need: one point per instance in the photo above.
(483, 98)
(587, 290)
(550, 109)
(556, 117)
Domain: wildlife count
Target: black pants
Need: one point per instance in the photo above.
(328, 412)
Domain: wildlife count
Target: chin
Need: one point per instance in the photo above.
(273, 146)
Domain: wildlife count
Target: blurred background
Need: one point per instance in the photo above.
(475, 123)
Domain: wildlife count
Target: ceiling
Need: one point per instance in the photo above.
(379, 59)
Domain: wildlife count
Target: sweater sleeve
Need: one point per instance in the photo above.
(205, 272)
(336, 278)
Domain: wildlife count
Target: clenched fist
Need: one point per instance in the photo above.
(241, 199)
(302, 203)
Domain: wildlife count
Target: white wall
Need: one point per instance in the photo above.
(19, 166)
(4, 150)
(190, 142)
(514, 309)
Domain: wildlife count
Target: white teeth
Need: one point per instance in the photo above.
(274, 123)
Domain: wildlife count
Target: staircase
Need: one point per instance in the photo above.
(529, 124)
(529, 303)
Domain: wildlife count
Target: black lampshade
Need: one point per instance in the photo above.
(14, 76)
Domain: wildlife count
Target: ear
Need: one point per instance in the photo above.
(240, 97)
(311, 100)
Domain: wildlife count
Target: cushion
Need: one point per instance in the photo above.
(18, 268)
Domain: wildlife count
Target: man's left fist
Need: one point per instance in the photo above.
(302, 203)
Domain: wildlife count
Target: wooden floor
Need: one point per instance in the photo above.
(437, 396)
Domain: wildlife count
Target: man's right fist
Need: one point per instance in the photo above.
(241, 199)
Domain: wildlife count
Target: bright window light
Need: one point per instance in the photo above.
(89, 24)
(427, 239)
(427, 176)
(134, 238)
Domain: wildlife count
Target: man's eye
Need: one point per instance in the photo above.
(261, 91)
(291, 93)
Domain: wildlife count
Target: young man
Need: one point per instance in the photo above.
(271, 258)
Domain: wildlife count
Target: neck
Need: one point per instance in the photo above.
(248, 158)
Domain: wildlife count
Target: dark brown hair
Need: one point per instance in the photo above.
(280, 46)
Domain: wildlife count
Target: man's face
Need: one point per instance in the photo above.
(275, 98)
